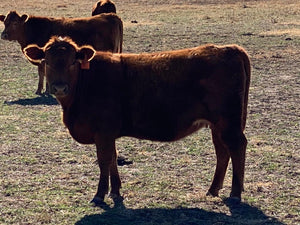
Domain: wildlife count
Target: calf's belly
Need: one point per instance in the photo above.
(168, 133)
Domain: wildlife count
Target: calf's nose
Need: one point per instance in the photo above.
(60, 89)
(4, 36)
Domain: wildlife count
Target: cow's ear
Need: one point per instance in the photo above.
(86, 53)
(2, 18)
(34, 53)
(24, 17)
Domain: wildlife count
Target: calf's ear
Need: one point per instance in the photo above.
(2, 18)
(24, 17)
(34, 53)
(86, 53)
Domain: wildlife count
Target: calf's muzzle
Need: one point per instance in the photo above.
(59, 89)
(4, 36)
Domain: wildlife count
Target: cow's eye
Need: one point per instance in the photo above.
(73, 63)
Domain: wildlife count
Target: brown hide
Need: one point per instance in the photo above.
(160, 96)
(103, 32)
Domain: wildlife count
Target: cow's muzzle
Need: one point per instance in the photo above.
(4, 36)
(59, 90)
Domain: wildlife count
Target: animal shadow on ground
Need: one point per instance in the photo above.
(119, 215)
(40, 100)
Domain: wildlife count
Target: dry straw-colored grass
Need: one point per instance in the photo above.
(48, 178)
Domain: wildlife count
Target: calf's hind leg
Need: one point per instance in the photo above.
(41, 73)
(235, 141)
(223, 156)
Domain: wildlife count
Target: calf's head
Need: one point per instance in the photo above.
(14, 25)
(63, 60)
(103, 6)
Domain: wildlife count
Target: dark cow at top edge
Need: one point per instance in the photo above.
(104, 6)
(160, 96)
(104, 32)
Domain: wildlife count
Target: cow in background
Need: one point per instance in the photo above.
(104, 32)
(104, 6)
(162, 96)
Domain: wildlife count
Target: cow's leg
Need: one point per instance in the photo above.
(237, 143)
(115, 179)
(223, 156)
(234, 139)
(41, 79)
(47, 92)
(105, 155)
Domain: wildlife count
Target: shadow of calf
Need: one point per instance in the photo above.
(40, 100)
(240, 214)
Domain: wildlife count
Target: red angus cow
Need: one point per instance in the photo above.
(104, 32)
(160, 96)
(104, 6)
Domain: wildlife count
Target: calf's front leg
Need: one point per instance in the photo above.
(115, 179)
(106, 155)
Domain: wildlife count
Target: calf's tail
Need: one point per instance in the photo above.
(121, 38)
(247, 68)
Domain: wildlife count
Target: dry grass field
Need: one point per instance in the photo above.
(48, 178)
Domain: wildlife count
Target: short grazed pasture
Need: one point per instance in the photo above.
(48, 178)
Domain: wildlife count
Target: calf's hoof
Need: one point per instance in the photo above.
(38, 92)
(232, 201)
(213, 193)
(235, 198)
(46, 93)
(97, 201)
(116, 198)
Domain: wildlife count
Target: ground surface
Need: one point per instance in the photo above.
(48, 178)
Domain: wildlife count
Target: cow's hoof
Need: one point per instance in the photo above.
(212, 193)
(235, 197)
(97, 201)
(231, 201)
(46, 93)
(38, 92)
(116, 198)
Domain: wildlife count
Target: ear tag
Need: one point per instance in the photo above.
(85, 64)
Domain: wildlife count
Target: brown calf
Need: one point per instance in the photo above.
(104, 6)
(160, 96)
(104, 32)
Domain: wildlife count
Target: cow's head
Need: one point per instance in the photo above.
(103, 6)
(63, 60)
(14, 25)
